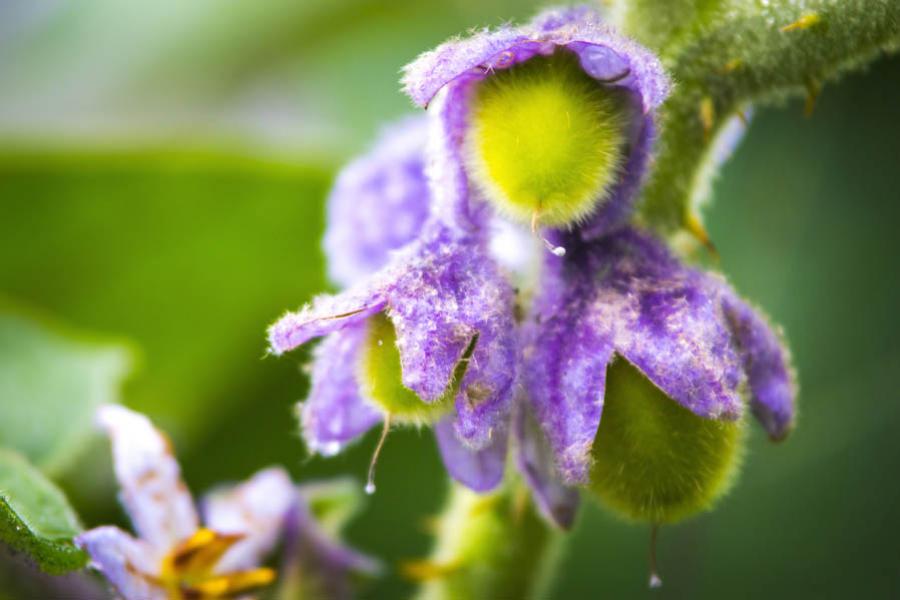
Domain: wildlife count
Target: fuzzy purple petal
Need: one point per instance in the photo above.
(768, 365)
(605, 55)
(379, 203)
(557, 502)
(334, 413)
(325, 314)
(626, 294)
(565, 358)
(130, 565)
(449, 293)
(668, 322)
(479, 470)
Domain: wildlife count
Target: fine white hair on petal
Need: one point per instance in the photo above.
(157, 500)
(126, 563)
(255, 509)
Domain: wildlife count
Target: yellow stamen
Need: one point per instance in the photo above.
(199, 553)
(188, 571)
(231, 585)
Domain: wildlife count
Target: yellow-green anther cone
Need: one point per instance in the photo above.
(655, 460)
(545, 139)
(380, 380)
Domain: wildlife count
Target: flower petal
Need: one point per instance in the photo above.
(450, 292)
(316, 565)
(767, 362)
(158, 502)
(128, 564)
(479, 470)
(668, 322)
(379, 203)
(566, 355)
(557, 502)
(255, 509)
(325, 314)
(335, 413)
(625, 293)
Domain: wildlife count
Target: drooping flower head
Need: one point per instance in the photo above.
(550, 122)
(668, 356)
(174, 556)
(431, 337)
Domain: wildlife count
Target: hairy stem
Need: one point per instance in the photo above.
(489, 546)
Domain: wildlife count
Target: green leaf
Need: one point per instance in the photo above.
(50, 384)
(35, 516)
(742, 53)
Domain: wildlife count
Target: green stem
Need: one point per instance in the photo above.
(489, 546)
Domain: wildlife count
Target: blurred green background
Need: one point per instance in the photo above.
(163, 168)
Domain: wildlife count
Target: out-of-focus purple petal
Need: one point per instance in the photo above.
(130, 565)
(768, 364)
(557, 502)
(479, 470)
(334, 413)
(325, 314)
(256, 509)
(317, 565)
(157, 500)
(379, 203)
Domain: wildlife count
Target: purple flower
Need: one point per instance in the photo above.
(443, 296)
(685, 330)
(174, 556)
(444, 79)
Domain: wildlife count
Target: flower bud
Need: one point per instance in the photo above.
(655, 460)
(545, 140)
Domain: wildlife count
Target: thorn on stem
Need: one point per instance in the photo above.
(707, 116)
(696, 229)
(805, 22)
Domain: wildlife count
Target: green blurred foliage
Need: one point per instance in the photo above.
(35, 517)
(53, 381)
(151, 195)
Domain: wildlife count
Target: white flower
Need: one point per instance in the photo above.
(174, 557)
